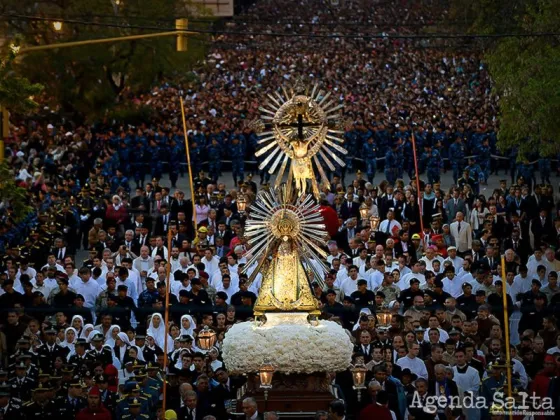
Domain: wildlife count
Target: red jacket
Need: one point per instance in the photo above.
(100, 414)
(377, 412)
(116, 216)
(541, 384)
(331, 220)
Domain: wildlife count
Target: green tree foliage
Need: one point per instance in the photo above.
(525, 69)
(13, 196)
(16, 95)
(89, 80)
(16, 92)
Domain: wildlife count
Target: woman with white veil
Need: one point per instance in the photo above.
(120, 349)
(77, 323)
(87, 332)
(70, 337)
(157, 331)
(187, 325)
(111, 335)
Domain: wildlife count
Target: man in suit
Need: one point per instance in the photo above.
(250, 409)
(365, 347)
(226, 390)
(60, 251)
(162, 221)
(139, 203)
(349, 208)
(190, 409)
(142, 239)
(179, 204)
(155, 205)
(520, 246)
(380, 375)
(388, 201)
(491, 260)
(541, 226)
(223, 232)
(443, 386)
(227, 204)
(455, 205)
(210, 220)
(221, 249)
(462, 232)
(346, 234)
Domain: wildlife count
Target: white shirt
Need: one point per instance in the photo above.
(524, 282)
(468, 381)
(211, 266)
(453, 287)
(45, 289)
(89, 290)
(391, 224)
(145, 264)
(429, 262)
(443, 336)
(58, 267)
(131, 291)
(404, 281)
(415, 365)
(374, 278)
(349, 286)
(457, 263)
(30, 272)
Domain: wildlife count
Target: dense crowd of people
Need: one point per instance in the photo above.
(86, 338)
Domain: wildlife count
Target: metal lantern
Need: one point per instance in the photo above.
(241, 203)
(359, 375)
(266, 372)
(364, 209)
(374, 222)
(384, 318)
(359, 372)
(206, 338)
(57, 25)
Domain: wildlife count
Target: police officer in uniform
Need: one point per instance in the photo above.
(39, 407)
(50, 350)
(433, 164)
(108, 397)
(369, 153)
(391, 165)
(457, 157)
(10, 407)
(149, 391)
(100, 353)
(237, 154)
(496, 381)
(67, 406)
(214, 151)
(135, 410)
(21, 385)
(131, 392)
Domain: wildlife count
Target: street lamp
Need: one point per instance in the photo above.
(359, 378)
(206, 338)
(266, 372)
(374, 222)
(57, 25)
(364, 209)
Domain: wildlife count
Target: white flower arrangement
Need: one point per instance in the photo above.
(290, 347)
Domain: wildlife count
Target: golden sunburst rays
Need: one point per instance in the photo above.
(278, 216)
(301, 128)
